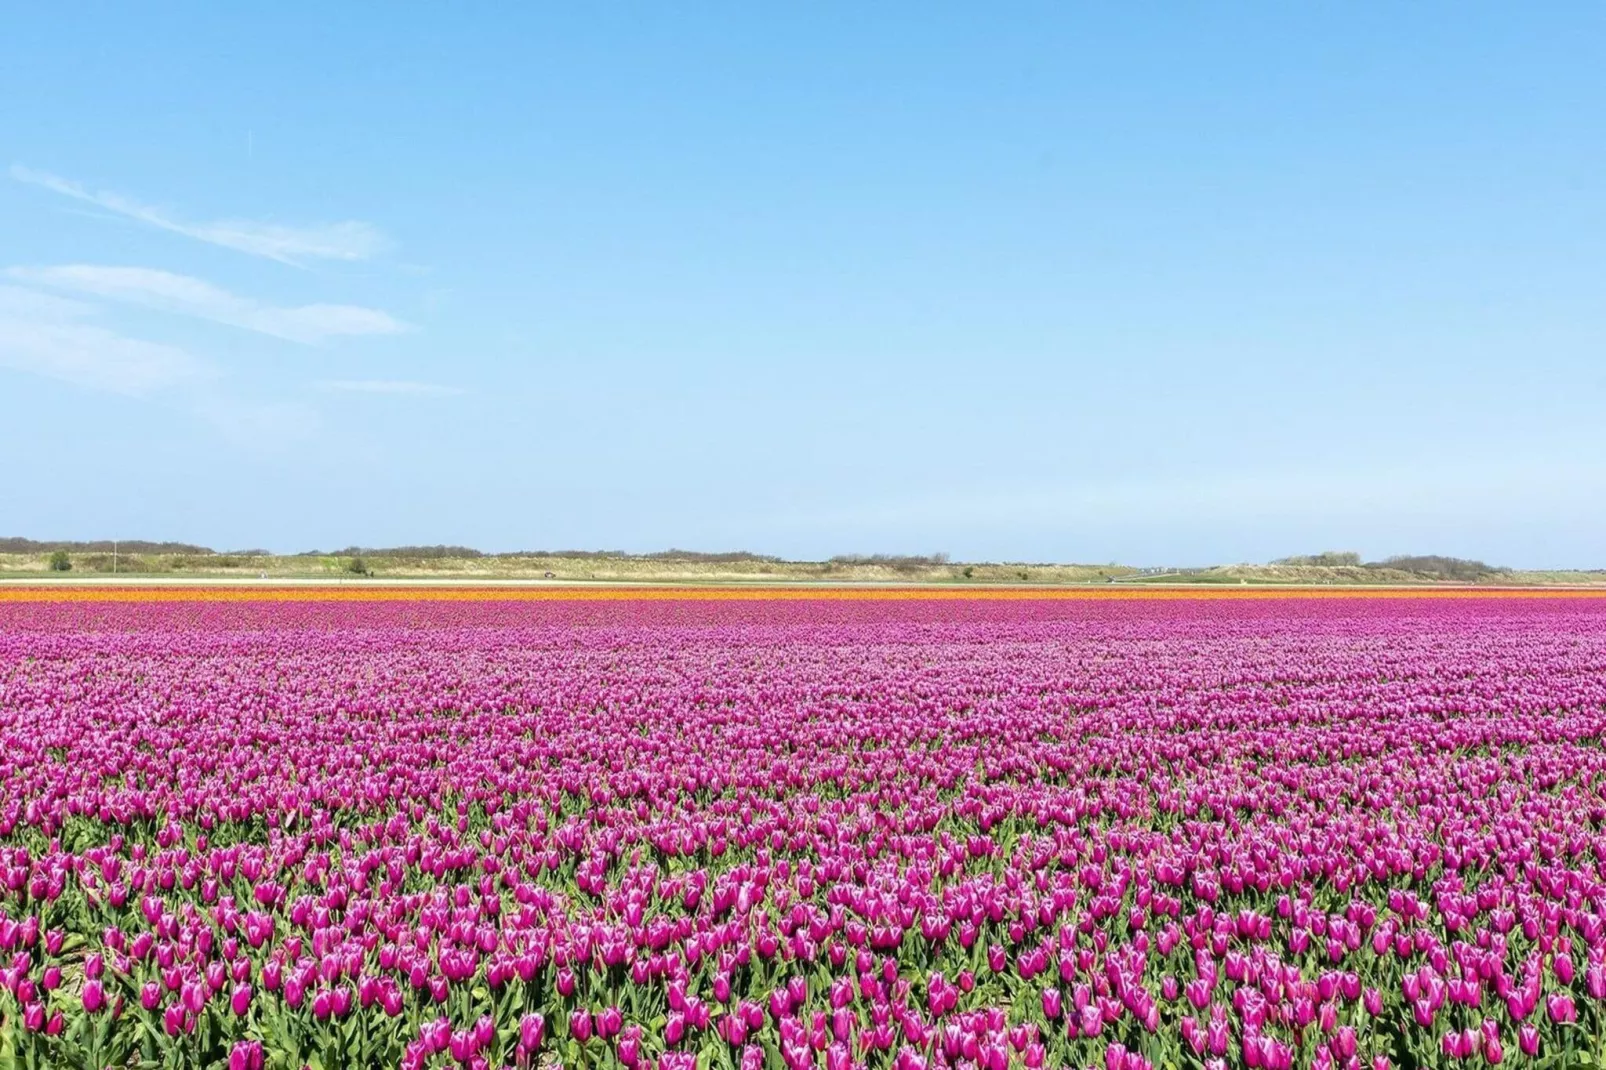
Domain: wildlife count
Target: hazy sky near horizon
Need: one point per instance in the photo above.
(1162, 284)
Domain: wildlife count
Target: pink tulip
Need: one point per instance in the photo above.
(1261, 806)
(1560, 1008)
(246, 1055)
(531, 1029)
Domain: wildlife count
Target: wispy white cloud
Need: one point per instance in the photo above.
(47, 336)
(349, 240)
(182, 294)
(31, 304)
(389, 386)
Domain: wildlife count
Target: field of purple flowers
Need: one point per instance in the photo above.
(1176, 833)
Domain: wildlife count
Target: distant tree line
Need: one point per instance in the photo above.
(425, 553)
(1332, 558)
(100, 546)
(895, 561)
(436, 553)
(429, 553)
(1450, 568)
(716, 557)
(1434, 565)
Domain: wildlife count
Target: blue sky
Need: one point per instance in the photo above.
(1038, 282)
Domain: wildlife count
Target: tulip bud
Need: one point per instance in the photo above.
(390, 998)
(1561, 1009)
(629, 1047)
(531, 1028)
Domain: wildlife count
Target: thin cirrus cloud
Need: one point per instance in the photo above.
(404, 387)
(185, 295)
(349, 240)
(48, 336)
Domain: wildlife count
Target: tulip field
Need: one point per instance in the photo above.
(709, 830)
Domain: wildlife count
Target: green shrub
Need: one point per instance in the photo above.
(1329, 558)
(60, 562)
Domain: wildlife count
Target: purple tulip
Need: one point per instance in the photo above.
(1263, 811)
(531, 1029)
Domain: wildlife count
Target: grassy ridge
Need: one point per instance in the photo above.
(557, 566)
(96, 560)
